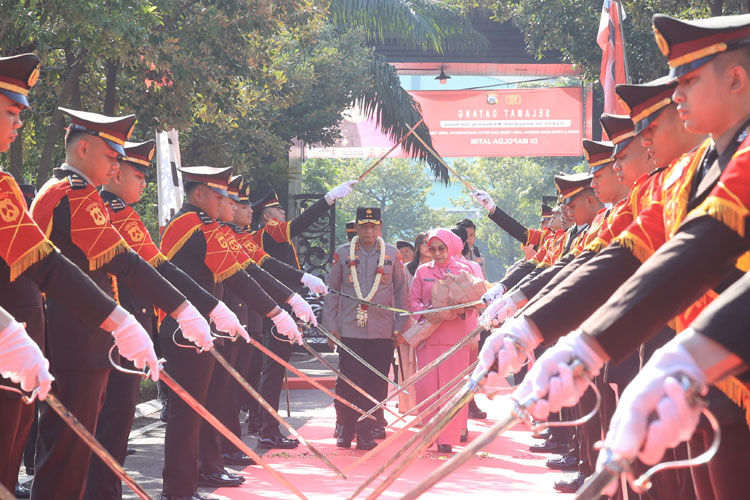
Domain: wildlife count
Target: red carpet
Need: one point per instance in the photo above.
(506, 469)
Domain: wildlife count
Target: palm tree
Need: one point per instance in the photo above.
(427, 25)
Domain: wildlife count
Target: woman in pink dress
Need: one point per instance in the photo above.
(443, 246)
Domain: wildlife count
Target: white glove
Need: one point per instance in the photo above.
(656, 390)
(226, 321)
(302, 309)
(495, 292)
(195, 328)
(314, 284)
(497, 312)
(286, 326)
(341, 191)
(484, 199)
(552, 378)
(134, 344)
(510, 345)
(22, 361)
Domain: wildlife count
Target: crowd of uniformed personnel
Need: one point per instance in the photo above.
(638, 276)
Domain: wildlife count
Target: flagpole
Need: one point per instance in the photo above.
(621, 14)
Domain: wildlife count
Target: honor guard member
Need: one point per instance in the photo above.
(211, 465)
(70, 210)
(274, 237)
(30, 264)
(351, 230)
(116, 416)
(371, 270)
(194, 242)
(710, 59)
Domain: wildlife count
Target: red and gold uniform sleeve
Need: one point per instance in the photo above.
(90, 227)
(130, 226)
(22, 243)
(535, 236)
(729, 201)
(219, 257)
(279, 231)
(591, 233)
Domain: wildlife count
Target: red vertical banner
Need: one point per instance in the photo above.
(610, 40)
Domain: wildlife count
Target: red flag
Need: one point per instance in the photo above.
(611, 42)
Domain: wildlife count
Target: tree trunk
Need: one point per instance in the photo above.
(75, 97)
(717, 7)
(16, 157)
(57, 123)
(110, 99)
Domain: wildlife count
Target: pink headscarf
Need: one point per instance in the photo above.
(453, 242)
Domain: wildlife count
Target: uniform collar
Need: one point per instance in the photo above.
(71, 168)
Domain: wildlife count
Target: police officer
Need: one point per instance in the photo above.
(368, 268)
(274, 237)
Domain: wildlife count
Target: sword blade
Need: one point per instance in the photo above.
(95, 446)
(430, 366)
(359, 358)
(266, 406)
(311, 380)
(403, 138)
(216, 424)
(5, 494)
(367, 302)
(503, 424)
(343, 377)
(446, 308)
(593, 487)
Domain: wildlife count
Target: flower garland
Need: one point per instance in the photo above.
(362, 308)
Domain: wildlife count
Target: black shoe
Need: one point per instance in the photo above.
(337, 430)
(475, 413)
(29, 470)
(130, 451)
(231, 475)
(549, 446)
(253, 425)
(563, 462)
(570, 485)
(237, 458)
(163, 413)
(378, 432)
(545, 434)
(217, 480)
(277, 441)
(444, 448)
(365, 441)
(186, 497)
(345, 434)
(464, 436)
(22, 491)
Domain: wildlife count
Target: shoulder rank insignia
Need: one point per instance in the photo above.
(77, 182)
(205, 218)
(117, 204)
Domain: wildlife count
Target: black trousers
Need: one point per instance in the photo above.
(62, 458)
(193, 372)
(271, 378)
(30, 451)
(112, 430)
(220, 390)
(15, 422)
(237, 395)
(253, 363)
(377, 352)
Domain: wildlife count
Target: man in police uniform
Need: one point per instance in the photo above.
(274, 237)
(368, 331)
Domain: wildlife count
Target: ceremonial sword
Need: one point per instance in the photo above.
(86, 437)
(479, 302)
(615, 466)
(271, 411)
(367, 365)
(5, 494)
(403, 138)
(368, 303)
(423, 372)
(518, 413)
(211, 419)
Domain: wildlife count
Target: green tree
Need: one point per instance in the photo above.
(398, 186)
